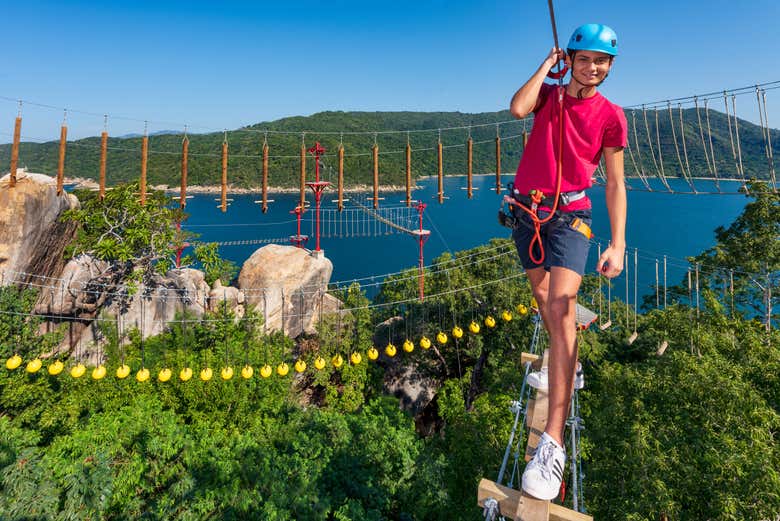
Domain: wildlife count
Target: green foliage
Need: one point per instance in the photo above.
(214, 267)
(747, 252)
(120, 230)
(691, 434)
(659, 429)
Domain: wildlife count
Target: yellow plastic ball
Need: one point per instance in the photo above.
(319, 363)
(34, 365)
(78, 370)
(226, 373)
(506, 315)
(534, 304)
(247, 371)
(142, 375)
(373, 354)
(522, 309)
(408, 346)
(337, 361)
(425, 342)
(13, 362)
(474, 327)
(300, 366)
(355, 358)
(441, 337)
(457, 332)
(206, 374)
(266, 371)
(123, 371)
(282, 369)
(99, 372)
(390, 350)
(490, 321)
(185, 374)
(56, 368)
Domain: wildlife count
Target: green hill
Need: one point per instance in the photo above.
(245, 145)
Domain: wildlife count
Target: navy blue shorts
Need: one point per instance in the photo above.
(564, 247)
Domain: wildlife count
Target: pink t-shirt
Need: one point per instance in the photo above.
(590, 125)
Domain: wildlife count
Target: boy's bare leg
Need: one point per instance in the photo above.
(540, 285)
(561, 317)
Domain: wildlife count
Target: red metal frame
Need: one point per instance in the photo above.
(317, 187)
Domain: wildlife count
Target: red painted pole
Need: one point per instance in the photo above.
(317, 187)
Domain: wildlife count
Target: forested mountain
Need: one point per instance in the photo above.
(358, 131)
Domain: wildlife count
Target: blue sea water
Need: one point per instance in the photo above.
(659, 223)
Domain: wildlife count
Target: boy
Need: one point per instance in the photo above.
(593, 127)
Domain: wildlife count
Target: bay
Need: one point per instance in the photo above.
(676, 225)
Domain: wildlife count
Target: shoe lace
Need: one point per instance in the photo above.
(544, 457)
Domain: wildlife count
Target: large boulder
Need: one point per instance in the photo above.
(65, 295)
(149, 309)
(288, 286)
(32, 238)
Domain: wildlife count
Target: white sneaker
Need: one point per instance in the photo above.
(544, 473)
(538, 379)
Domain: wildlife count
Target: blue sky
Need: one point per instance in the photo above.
(216, 65)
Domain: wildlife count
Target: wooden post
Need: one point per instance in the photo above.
(341, 178)
(61, 162)
(376, 176)
(408, 174)
(265, 178)
(103, 155)
(439, 149)
(302, 203)
(498, 165)
(144, 153)
(185, 146)
(15, 149)
(223, 202)
(469, 156)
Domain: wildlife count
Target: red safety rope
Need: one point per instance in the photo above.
(536, 195)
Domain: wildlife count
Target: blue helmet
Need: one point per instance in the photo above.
(594, 37)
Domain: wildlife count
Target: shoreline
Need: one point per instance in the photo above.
(90, 184)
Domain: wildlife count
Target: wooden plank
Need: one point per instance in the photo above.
(538, 421)
(537, 424)
(559, 513)
(528, 357)
(530, 413)
(513, 503)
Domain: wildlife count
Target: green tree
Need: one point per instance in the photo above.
(120, 230)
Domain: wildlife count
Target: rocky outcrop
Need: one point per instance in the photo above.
(288, 287)
(149, 309)
(66, 293)
(233, 296)
(413, 389)
(32, 238)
